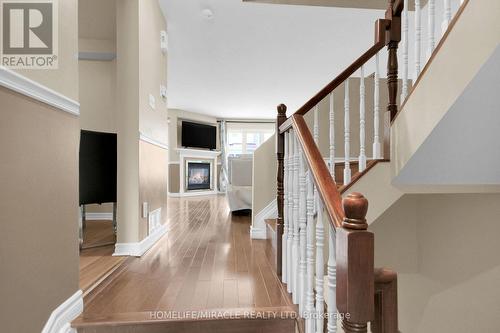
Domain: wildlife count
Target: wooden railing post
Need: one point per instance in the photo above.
(355, 261)
(394, 15)
(386, 302)
(280, 151)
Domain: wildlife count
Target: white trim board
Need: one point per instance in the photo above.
(60, 319)
(258, 229)
(99, 216)
(137, 249)
(21, 84)
(145, 138)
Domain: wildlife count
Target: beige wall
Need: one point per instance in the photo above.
(127, 62)
(64, 80)
(38, 211)
(265, 167)
(153, 71)
(39, 197)
(153, 180)
(98, 95)
(455, 65)
(445, 248)
(141, 67)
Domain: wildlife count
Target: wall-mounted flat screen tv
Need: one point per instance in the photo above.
(195, 135)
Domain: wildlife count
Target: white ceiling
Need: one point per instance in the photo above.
(249, 57)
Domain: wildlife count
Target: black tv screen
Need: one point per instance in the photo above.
(196, 135)
(97, 167)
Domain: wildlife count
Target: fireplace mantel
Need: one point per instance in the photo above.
(209, 156)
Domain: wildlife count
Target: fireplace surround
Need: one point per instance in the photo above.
(197, 172)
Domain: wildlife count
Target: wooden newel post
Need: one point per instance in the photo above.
(386, 302)
(280, 152)
(355, 264)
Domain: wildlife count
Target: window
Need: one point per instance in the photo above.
(245, 138)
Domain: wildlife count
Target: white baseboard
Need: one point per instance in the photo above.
(174, 194)
(60, 319)
(99, 216)
(258, 229)
(139, 248)
(258, 233)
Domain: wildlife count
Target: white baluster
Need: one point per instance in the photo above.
(289, 241)
(376, 109)
(446, 16)
(362, 153)
(431, 19)
(418, 37)
(286, 216)
(310, 311)
(296, 230)
(347, 133)
(303, 233)
(405, 27)
(316, 125)
(332, 136)
(320, 299)
(332, 283)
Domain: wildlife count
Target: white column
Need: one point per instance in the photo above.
(405, 28)
(362, 153)
(418, 37)
(332, 136)
(320, 299)
(290, 187)
(316, 125)
(296, 228)
(285, 211)
(332, 283)
(303, 233)
(431, 27)
(446, 16)
(347, 133)
(310, 322)
(376, 108)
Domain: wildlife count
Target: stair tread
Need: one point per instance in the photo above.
(147, 317)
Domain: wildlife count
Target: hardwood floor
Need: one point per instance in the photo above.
(206, 261)
(96, 263)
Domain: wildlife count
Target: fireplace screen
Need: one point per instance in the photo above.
(198, 176)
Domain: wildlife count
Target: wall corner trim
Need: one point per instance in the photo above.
(137, 249)
(258, 229)
(60, 319)
(21, 84)
(145, 138)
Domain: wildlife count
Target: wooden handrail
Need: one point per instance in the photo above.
(325, 184)
(381, 40)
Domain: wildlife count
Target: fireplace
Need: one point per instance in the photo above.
(198, 175)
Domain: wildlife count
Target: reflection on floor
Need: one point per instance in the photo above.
(206, 261)
(96, 263)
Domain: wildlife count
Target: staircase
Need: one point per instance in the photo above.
(325, 252)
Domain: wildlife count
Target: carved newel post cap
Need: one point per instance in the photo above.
(282, 109)
(355, 208)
